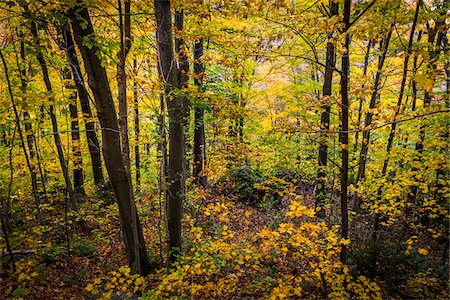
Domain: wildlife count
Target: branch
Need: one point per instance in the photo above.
(362, 13)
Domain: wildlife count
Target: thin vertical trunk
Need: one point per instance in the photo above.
(343, 136)
(91, 134)
(31, 140)
(361, 99)
(325, 119)
(175, 106)
(78, 177)
(34, 187)
(433, 52)
(98, 81)
(199, 123)
(369, 115)
(56, 136)
(413, 80)
(183, 62)
(394, 123)
(125, 45)
(137, 160)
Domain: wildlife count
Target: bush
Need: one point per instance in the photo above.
(240, 184)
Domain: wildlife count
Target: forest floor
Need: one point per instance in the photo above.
(96, 251)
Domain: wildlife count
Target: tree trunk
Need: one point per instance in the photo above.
(343, 136)
(361, 99)
(369, 115)
(75, 133)
(34, 187)
(125, 45)
(325, 119)
(56, 136)
(394, 123)
(98, 81)
(176, 168)
(137, 160)
(433, 52)
(183, 62)
(199, 123)
(83, 95)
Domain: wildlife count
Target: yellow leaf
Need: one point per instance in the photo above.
(422, 251)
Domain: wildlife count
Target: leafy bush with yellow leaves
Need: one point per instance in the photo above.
(118, 283)
(297, 260)
(24, 278)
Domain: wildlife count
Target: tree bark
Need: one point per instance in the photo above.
(199, 150)
(325, 119)
(56, 136)
(83, 95)
(34, 186)
(343, 136)
(125, 45)
(369, 115)
(361, 99)
(394, 124)
(170, 74)
(137, 159)
(98, 81)
(182, 73)
(78, 178)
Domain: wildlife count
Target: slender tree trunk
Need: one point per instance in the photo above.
(56, 136)
(325, 119)
(31, 140)
(137, 160)
(394, 124)
(343, 136)
(199, 123)
(433, 52)
(78, 178)
(413, 80)
(34, 186)
(183, 61)
(175, 106)
(125, 45)
(361, 99)
(83, 95)
(98, 81)
(369, 115)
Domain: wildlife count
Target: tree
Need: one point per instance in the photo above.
(125, 45)
(325, 116)
(56, 135)
(199, 150)
(91, 134)
(98, 82)
(172, 83)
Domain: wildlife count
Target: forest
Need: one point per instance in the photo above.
(224, 149)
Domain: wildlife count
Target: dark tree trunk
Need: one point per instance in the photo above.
(325, 119)
(34, 186)
(75, 133)
(31, 140)
(199, 123)
(175, 106)
(369, 115)
(343, 136)
(56, 136)
(413, 80)
(394, 124)
(361, 99)
(183, 62)
(137, 131)
(98, 81)
(125, 45)
(91, 134)
(433, 52)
